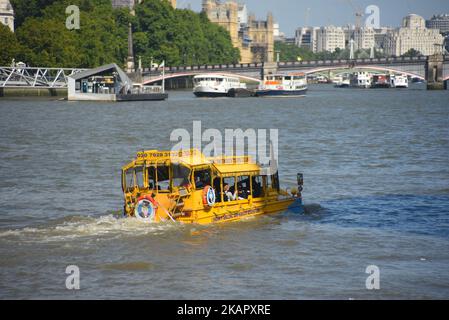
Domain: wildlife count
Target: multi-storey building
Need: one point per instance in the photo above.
(306, 37)
(330, 38)
(440, 22)
(413, 35)
(255, 39)
(7, 14)
(380, 35)
(364, 38)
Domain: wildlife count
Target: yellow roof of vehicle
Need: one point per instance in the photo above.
(225, 165)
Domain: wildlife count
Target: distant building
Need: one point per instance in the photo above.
(123, 3)
(330, 38)
(7, 14)
(131, 3)
(364, 38)
(243, 15)
(440, 22)
(413, 35)
(254, 39)
(380, 35)
(306, 37)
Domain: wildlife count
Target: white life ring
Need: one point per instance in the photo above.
(145, 210)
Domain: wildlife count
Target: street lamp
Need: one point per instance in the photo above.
(278, 54)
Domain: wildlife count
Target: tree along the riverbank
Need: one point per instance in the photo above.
(160, 33)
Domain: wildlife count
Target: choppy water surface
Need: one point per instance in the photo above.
(377, 193)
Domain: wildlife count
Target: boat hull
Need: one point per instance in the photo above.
(210, 94)
(222, 213)
(281, 93)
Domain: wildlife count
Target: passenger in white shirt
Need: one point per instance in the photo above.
(228, 194)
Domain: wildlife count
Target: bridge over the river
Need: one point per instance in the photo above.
(413, 66)
(434, 69)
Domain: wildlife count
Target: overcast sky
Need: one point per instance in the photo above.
(292, 13)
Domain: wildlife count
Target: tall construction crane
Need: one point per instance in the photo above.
(359, 13)
(307, 17)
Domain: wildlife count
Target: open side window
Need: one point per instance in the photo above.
(243, 187)
(258, 189)
(133, 178)
(202, 178)
(163, 178)
(181, 176)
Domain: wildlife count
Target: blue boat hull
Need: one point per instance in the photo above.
(297, 206)
(280, 93)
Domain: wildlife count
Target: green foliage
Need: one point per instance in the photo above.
(412, 53)
(290, 52)
(11, 51)
(180, 36)
(159, 31)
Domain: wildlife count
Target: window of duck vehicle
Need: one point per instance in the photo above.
(229, 183)
(257, 187)
(129, 180)
(139, 177)
(202, 178)
(134, 179)
(243, 187)
(163, 178)
(181, 175)
(151, 177)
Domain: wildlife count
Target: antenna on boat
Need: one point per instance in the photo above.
(163, 76)
(273, 162)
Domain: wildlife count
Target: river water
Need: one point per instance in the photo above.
(376, 192)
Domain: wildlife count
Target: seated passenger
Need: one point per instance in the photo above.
(228, 194)
(198, 183)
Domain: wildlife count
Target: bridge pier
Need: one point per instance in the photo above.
(2, 92)
(269, 68)
(434, 72)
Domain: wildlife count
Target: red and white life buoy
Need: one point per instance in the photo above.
(146, 208)
(209, 197)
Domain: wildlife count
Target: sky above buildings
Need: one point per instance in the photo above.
(292, 13)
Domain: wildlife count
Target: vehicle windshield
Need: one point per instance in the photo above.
(133, 178)
(163, 178)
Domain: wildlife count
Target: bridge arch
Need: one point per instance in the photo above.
(192, 74)
(365, 67)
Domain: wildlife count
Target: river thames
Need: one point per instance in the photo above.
(376, 173)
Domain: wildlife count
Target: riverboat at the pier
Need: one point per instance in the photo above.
(275, 85)
(399, 81)
(187, 187)
(213, 85)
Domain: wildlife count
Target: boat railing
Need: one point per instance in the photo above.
(147, 89)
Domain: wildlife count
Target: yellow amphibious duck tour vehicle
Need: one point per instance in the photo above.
(187, 187)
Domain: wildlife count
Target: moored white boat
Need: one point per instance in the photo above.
(360, 79)
(213, 85)
(399, 81)
(275, 85)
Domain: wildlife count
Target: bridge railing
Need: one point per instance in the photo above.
(30, 77)
(347, 61)
(288, 64)
(207, 67)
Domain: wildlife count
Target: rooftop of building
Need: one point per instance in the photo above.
(5, 5)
